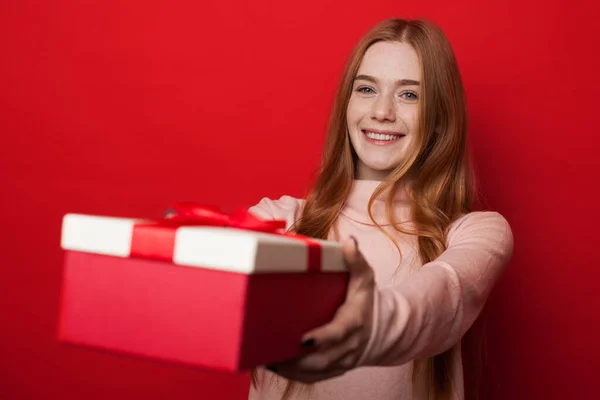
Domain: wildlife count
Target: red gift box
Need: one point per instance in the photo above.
(226, 292)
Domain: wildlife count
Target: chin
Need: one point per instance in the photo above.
(375, 172)
(381, 169)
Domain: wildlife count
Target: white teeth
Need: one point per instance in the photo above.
(381, 136)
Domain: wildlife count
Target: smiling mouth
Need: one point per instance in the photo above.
(382, 137)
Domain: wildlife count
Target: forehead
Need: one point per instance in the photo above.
(391, 60)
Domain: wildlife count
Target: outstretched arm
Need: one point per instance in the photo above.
(424, 315)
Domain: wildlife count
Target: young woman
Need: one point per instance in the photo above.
(395, 185)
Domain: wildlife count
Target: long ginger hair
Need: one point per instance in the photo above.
(438, 166)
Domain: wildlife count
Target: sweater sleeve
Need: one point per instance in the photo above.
(432, 309)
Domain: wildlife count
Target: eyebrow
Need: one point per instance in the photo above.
(401, 82)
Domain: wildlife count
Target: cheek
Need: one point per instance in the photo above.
(409, 118)
(414, 119)
(356, 110)
(351, 113)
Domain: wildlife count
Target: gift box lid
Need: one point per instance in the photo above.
(215, 247)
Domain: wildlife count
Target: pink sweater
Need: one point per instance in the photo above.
(420, 310)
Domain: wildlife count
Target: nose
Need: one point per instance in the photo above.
(383, 109)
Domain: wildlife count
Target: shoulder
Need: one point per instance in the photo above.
(483, 229)
(286, 208)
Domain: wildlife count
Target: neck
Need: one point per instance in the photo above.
(357, 203)
(362, 172)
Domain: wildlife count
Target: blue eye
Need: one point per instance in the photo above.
(365, 90)
(410, 96)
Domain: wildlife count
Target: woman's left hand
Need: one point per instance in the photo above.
(338, 345)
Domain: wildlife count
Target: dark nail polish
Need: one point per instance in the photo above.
(272, 368)
(169, 213)
(308, 343)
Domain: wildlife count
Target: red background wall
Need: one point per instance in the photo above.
(123, 109)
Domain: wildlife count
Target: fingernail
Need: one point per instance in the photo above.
(308, 343)
(272, 368)
(355, 241)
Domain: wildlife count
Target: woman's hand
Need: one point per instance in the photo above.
(339, 344)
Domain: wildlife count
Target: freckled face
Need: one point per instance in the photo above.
(383, 112)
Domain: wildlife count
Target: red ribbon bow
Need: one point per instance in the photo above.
(192, 214)
(156, 240)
